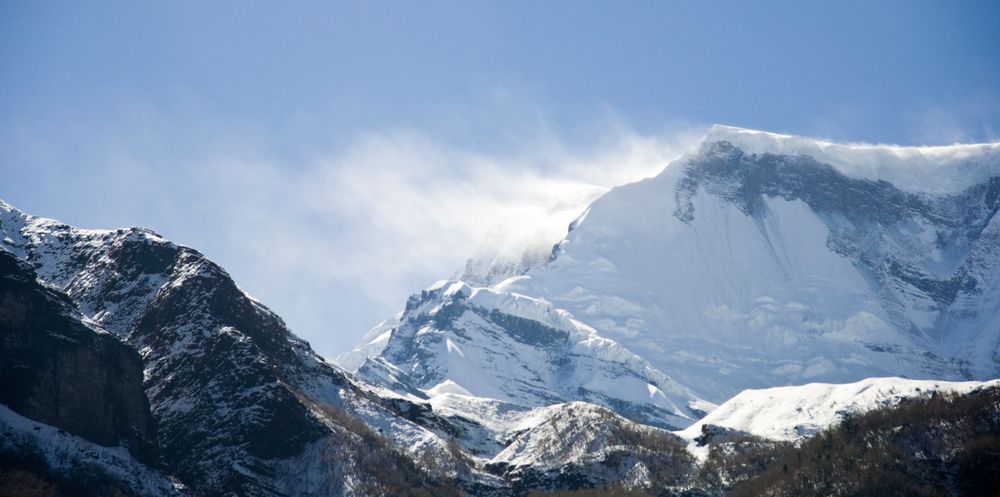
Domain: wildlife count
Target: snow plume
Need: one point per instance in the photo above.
(419, 208)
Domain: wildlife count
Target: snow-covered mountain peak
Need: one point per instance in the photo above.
(754, 260)
(759, 260)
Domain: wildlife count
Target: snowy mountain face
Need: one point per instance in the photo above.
(760, 260)
(453, 338)
(754, 260)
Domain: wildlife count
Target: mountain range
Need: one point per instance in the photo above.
(755, 295)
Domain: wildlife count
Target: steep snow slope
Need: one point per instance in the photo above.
(453, 338)
(793, 413)
(760, 260)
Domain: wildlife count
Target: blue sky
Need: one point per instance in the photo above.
(335, 156)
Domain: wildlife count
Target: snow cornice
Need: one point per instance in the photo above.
(936, 169)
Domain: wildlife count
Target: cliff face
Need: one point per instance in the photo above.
(58, 370)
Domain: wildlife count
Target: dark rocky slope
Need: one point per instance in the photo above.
(243, 407)
(59, 371)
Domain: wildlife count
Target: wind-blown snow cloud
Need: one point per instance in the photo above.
(415, 205)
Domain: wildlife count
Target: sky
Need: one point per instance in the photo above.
(335, 157)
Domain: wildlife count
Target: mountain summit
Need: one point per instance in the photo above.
(758, 260)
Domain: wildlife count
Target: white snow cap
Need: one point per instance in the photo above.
(940, 169)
